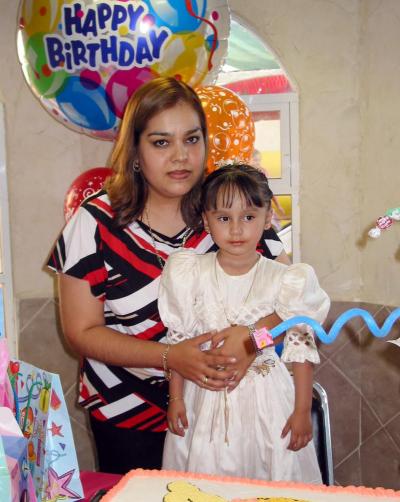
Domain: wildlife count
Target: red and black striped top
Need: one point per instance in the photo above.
(123, 270)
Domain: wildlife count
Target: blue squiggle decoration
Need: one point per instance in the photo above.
(338, 324)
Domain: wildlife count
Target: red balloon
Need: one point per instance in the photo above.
(85, 184)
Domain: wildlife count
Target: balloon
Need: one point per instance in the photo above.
(82, 187)
(230, 127)
(84, 58)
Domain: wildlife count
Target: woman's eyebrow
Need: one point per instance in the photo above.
(163, 133)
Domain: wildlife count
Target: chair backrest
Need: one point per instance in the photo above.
(322, 433)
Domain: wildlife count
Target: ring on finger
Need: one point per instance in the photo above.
(204, 380)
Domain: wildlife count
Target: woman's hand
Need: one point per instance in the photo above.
(300, 427)
(199, 366)
(176, 416)
(236, 342)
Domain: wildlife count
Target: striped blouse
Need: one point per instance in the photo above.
(123, 270)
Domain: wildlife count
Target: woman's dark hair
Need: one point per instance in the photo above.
(227, 181)
(127, 189)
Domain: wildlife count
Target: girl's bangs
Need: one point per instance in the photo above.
(222, 195)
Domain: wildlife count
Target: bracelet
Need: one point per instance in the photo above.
(261, 338)
(252, 329)
(172, 399)
(167, 371)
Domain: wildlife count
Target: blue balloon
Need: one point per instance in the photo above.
(174, 14)
(85, 105)
(338, 324)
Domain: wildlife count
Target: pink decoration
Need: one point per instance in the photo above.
(263, 338)
(384, 222)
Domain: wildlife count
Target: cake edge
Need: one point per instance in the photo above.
(359, 490)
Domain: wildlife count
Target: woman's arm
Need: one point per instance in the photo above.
(284, 258)
(299, 423)
(82, 319)
(237, 342)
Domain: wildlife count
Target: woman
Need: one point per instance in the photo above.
(110, 256)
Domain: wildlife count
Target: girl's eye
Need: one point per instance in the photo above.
(224, 219)
(248, 217)
(193, 139)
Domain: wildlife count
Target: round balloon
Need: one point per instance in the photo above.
(84, 58)
(82, 187)
(230, 127)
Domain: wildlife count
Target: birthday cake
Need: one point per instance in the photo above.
(169, 486)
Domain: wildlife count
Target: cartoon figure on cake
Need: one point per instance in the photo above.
(183, 491)
(262, 429)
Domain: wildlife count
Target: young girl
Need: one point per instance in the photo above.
(262, 429)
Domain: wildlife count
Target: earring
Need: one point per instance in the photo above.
(136, 166)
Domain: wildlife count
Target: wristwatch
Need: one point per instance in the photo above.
(261, 338)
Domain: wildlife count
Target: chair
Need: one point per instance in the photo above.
(322, 433)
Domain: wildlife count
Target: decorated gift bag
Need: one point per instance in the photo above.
(42, 415)
(16, 482)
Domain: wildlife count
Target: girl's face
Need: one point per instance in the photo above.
(171, 152)
(237, 229)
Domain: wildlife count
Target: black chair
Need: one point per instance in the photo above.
(322, 433)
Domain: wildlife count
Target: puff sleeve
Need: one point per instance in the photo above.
(177, 295)
(301, 294)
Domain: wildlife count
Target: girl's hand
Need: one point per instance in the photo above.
(300, 426)
(236, 342)
(200, 366)
(177, 419)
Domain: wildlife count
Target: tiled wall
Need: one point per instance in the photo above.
(360, 373)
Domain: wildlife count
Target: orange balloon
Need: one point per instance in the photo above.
(230, 126)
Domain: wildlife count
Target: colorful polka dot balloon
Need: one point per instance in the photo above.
(230, 127)
(84, 58)
(86, 184)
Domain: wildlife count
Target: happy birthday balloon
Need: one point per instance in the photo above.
(84, 58)
(230, 127)
(83, 186)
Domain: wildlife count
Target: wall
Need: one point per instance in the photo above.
(339, 53)
(43, 157)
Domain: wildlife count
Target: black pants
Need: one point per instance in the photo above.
(120, 450)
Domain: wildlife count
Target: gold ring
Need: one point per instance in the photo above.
(204, 380)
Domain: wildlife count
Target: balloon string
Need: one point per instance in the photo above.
(338, 324)
(214, 42)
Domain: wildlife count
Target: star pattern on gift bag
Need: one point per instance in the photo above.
(56, 430)
(57, 487)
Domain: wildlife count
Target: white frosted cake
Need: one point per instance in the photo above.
(168, 486)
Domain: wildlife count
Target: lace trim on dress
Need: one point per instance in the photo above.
(299, 346)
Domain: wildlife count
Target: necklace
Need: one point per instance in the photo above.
(231, 321)
(160, 259)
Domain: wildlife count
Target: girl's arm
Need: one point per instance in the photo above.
(176, 415)
(299, 423)
(82, 319)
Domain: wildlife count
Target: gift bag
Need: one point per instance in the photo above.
(6, 391)
(16, 482)
(44, 421)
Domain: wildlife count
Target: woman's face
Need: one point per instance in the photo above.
(171, 152)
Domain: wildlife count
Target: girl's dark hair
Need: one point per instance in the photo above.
(127, 189)
(227, 181)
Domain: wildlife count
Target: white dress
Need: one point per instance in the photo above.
(239, 433)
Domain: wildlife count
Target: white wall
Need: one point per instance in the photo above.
(343, 55)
